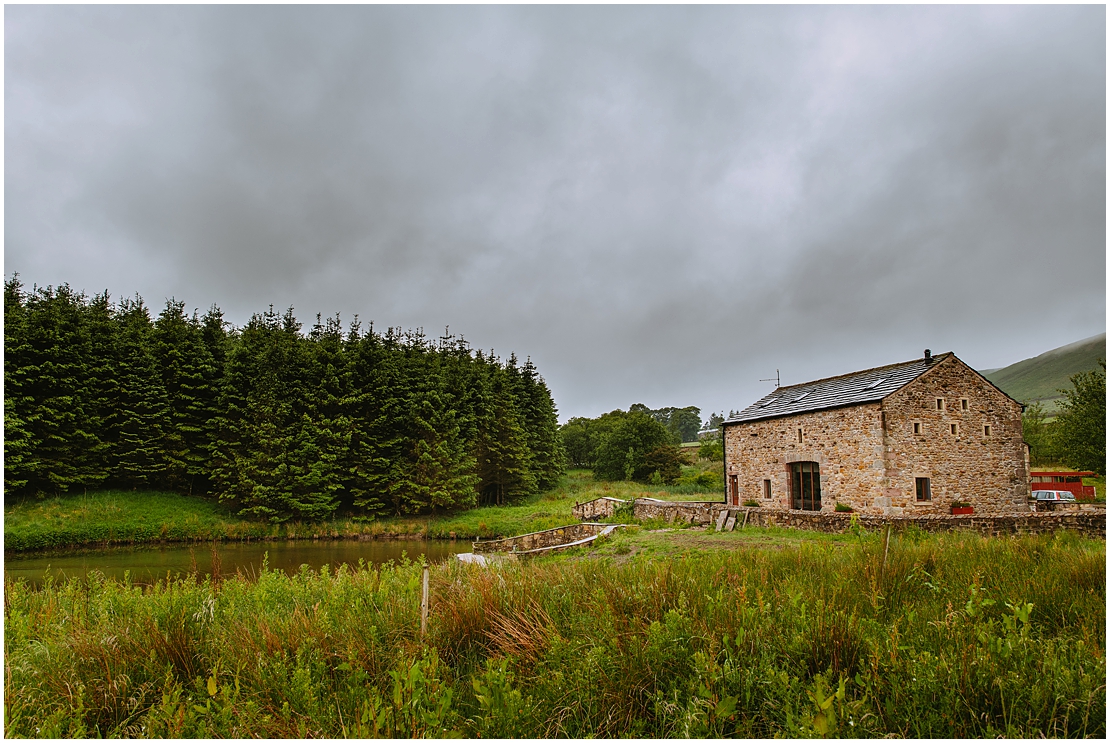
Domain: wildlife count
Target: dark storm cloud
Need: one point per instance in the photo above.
(657, 204)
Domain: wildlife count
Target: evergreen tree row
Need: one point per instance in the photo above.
(278, 423)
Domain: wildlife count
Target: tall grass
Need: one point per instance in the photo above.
(954, 636)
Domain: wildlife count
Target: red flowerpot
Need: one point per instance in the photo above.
(966, 510)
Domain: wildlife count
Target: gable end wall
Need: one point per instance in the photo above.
(989, 471)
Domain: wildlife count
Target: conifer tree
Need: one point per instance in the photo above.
(541, 424)
(504, 462)
(188, 375)
(367, 466)
(101, 375)
(140, 420)
(19, 447)
(436, 471)
(67, 450)
(323, 434)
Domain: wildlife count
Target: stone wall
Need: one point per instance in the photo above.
(990, 471)
(870, 455)
(683, 512)
(1090, 523)
(550, 538)
(847, 444)
(598, 508)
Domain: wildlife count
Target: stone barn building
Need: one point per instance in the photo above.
(901, 440)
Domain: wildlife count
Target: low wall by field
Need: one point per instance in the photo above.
(598, 508)
(561, 536)
(1070, 506)
(1091, 523)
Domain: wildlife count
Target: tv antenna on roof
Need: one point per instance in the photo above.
(776, 380)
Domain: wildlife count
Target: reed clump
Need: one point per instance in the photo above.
(948, 636)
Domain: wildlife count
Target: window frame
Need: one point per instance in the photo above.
(805, 486)
(927, 490)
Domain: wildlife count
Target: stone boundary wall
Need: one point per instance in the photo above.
(557, 537)
(1088, 523)
(1070, 506)
(598, 508)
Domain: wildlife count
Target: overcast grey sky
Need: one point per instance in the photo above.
(657, 204)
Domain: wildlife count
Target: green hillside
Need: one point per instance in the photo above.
(1039, 379)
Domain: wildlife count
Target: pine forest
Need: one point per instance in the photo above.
(278, 423)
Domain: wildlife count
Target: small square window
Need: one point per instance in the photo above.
(924, 491)
(940, 403)
(986, 430)
(955, 429)
(767, 489)
(963, 404)
(917, 428)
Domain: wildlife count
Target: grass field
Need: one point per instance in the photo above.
(1041, 378)
(126, 517)
(675, 633)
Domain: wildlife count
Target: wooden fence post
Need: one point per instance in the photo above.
(886, 546)
(424, 605)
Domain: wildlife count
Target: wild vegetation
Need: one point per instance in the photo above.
(941, 637)
(278, 424)
(1076, 438)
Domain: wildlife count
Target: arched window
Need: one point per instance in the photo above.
(805, 486)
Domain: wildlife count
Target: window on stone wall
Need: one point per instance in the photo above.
(924, 491)
(767, 489)
(963, 404)
(986, 430)
(799, 435)
(940, 403)
(805, 486)
(917, 428)
(955, 429)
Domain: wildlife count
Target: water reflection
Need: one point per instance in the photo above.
(148, 564)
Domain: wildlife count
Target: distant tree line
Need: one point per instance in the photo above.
(278, 423)
(639, 445)
(682, 424)
(1077, 436)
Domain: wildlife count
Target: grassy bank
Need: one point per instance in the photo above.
(135, 517)
(955, 636)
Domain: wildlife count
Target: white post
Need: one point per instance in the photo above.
(424, 605)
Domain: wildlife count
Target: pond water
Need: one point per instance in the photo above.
(147, 564)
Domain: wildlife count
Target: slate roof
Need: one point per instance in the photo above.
(857, 388)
